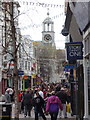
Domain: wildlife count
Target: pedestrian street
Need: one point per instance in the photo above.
(21, 117)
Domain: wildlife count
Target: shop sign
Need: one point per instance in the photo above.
(69, 66)
(20, 72)
(33, 75)
(25, 77)
(74, 50)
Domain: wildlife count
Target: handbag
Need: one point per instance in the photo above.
(68, 108)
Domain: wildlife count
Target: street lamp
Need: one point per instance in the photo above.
(64, 31)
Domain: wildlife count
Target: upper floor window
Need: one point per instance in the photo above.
(25, 65)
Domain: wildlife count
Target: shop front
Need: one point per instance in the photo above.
(26, 82)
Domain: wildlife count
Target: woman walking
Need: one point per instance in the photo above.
(52, 106)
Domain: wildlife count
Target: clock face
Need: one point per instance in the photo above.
(47, 37)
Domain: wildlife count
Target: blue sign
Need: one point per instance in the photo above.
(20, 72)
(74, 50)
(69, 66)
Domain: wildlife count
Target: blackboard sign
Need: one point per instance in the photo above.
(74, 50)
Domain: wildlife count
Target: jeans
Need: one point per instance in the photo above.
(39, 112)
(27, 110)
(63, 111)
(54, 115)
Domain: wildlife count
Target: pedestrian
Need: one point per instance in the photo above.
(8, 97)
(27, 99)
(41, 92)
(53, 105)
(39, 104)
(64, 99)
(22, 102)
(19, 100)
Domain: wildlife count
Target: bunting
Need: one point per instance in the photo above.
(39, 25)
(41, 4)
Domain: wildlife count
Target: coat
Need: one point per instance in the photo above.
(27, 99)
(62, 96)
(38, 102)
(53, 99)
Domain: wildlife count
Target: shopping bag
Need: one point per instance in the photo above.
(68, 108)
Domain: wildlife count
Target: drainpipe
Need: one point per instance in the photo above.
(85, 88)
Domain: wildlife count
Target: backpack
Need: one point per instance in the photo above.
(37, 101)
(54, 107)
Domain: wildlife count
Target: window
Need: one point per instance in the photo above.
(28, 65)
(25, 65)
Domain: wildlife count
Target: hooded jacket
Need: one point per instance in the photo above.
(53, 99)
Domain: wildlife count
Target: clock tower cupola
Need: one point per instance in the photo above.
(48, 30)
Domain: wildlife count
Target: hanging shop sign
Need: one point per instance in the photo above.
(25, 77)
(33, 75)
(74, 50)
(20, 72)
(69, 66)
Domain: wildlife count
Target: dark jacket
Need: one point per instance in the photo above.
(27, 98)
(62, 96)
(38, 102)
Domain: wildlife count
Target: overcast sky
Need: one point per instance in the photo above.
(33, 14)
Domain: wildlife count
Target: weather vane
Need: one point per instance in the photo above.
(48, 12)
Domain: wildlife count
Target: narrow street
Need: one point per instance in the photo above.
(45, 59)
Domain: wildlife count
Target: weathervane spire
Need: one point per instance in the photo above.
(48, 12)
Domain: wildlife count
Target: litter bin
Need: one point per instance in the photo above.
(5, 111)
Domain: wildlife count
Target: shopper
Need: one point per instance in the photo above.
(64, 99)
(8, 97)
(27, 99)
(52, 106)
(39, 104)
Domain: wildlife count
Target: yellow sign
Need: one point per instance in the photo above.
(36, 43)
(33, 75)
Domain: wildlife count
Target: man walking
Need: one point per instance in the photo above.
(64, 98)
(39, 104)
(27, 99)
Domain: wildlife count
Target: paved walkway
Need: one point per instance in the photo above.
(21, 117)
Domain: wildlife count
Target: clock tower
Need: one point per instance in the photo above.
(48, 51)
(48, 31)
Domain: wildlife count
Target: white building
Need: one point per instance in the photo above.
(25, 61)
(7, 40)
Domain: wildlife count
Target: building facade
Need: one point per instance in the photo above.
(77, 26)
(7, 41)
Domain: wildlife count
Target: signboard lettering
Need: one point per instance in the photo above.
(74, 50)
